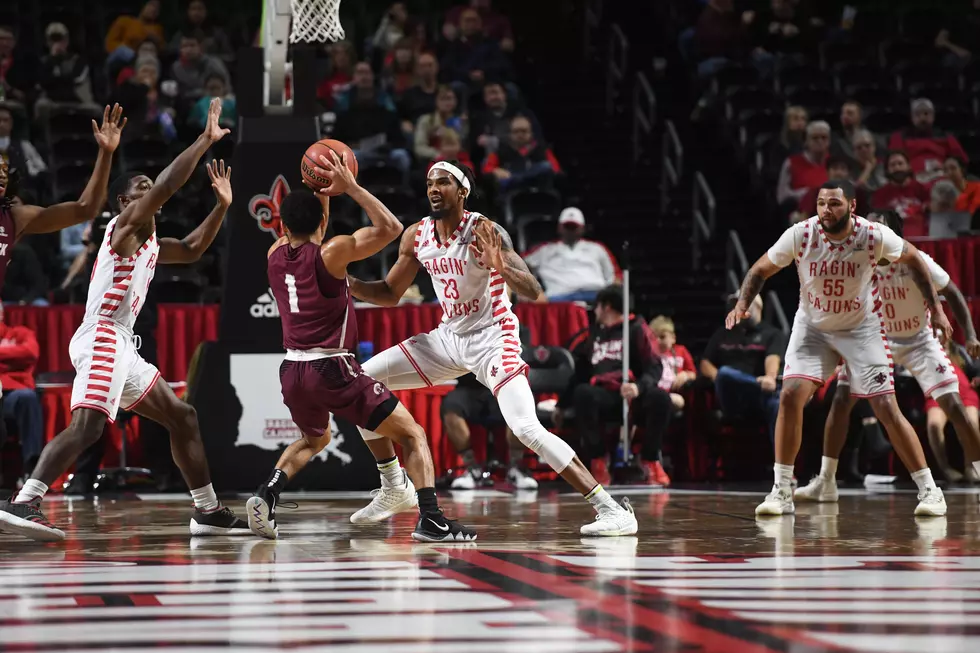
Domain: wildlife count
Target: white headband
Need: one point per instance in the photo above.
(455, 172)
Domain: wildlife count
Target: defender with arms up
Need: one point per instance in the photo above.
(320, 375)
(839, 316)
(109, 371)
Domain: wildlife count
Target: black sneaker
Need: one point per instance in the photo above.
(261, 512)
(27, 519)
(434, 527)
(218, 522)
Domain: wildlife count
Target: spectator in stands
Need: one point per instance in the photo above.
(597, 390)
(927, 147)
(64, 75)
(943, 198)
(368, 123)
(450, 148)
(572, 268)
(339, 73)
(215, 86)
(149, 109)
(744, 365)
(953, 40)
(394, 26)
(903, 194)
(25, 282)
(838, 169)
(148, 49)
(969, 199)
(722, 37)
(472, 59)
(127, 32)
(432, 126)
(782, 30)
(420, 99)
(193, 67)
(496, 26)
(18, 68)
(75, 283)
(676, 359)
(19, 153)
(791, 138)
(214, 40)
(73, 242)
(399, 73)
(842, 142)
(19, 351)
(872, 175)
(491, 126)
(522, 161)
(806, 170)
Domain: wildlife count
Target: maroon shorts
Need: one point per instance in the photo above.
(314, 389)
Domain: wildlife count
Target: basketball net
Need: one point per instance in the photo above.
(293, 21)
(316, 20)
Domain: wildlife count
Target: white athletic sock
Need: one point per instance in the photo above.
(600, 499)
(205, 499)
(923, 479)
(391, 473)
(828, 468)
(976, 467)
(33, 489)
(784, 476)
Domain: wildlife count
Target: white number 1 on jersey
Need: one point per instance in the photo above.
(293, 297)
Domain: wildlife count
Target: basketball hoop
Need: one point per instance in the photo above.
(316, 20)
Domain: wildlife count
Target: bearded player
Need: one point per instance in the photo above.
(109, 370)
(472, 263)
(916, 348)
(320, 375)
(839, 316)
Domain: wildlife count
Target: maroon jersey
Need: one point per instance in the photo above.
(317, 310)
(7, 235)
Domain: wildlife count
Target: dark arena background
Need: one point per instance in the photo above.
(648, 151)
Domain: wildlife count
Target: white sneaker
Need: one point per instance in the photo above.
(612, 521)
(819, 490)
(464, 482)
(388, 500)
(521, 480)
(779, 502)
(932, 503)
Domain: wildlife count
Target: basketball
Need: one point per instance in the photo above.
(311, 159)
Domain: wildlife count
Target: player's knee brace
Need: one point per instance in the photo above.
(543, 442)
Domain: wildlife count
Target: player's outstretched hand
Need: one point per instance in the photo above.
(941, 325)
(973, 347)
(487, 246)
(335, 169)
(108, 133)
(213, 130)
(220, 181)
(736, 315)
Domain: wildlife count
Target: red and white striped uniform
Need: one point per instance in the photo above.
(109, 371)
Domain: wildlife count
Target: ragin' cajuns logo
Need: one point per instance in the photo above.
(265, 208)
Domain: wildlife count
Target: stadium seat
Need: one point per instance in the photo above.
(751, 127)
(530, 200)
(74, 150)
(899, 53)
(886, 121)
(534, 229)
(834, 54)
(379, 175)
(801, 75)
(734, 76)
(742, 102)
(400, 201)
(145, 152)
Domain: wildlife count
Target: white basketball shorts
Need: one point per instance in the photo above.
(814, 355)
(492, 354)
(109, 372)
(925, 359)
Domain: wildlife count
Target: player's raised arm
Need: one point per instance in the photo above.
(36, 220)
(190, 248)
(366, 241)
(495, 249)
(898, 250)
(172, 178)
(389, 291)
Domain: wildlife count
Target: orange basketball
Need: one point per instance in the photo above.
(311, 159)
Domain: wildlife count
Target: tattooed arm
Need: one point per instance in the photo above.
(755, 278)
(495, 249)
(923, 281)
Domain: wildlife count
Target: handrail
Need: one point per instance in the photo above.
(703, 213)
(618, 60)
(593, 18)
(735, 253)
(671, 170)
(643, 120)
(774, 309)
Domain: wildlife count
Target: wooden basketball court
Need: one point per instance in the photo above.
(702, 575)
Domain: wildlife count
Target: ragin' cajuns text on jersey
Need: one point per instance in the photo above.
(118, 287)
(904, 306)
(472, 296)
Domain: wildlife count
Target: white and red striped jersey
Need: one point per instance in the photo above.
(838, 289)
(905, 309)
(118, 286)
(472, 296)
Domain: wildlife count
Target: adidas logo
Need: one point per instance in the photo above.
(264, 306)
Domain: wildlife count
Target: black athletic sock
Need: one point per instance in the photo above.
(277, 482)
(469, 458)
(428, 503)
